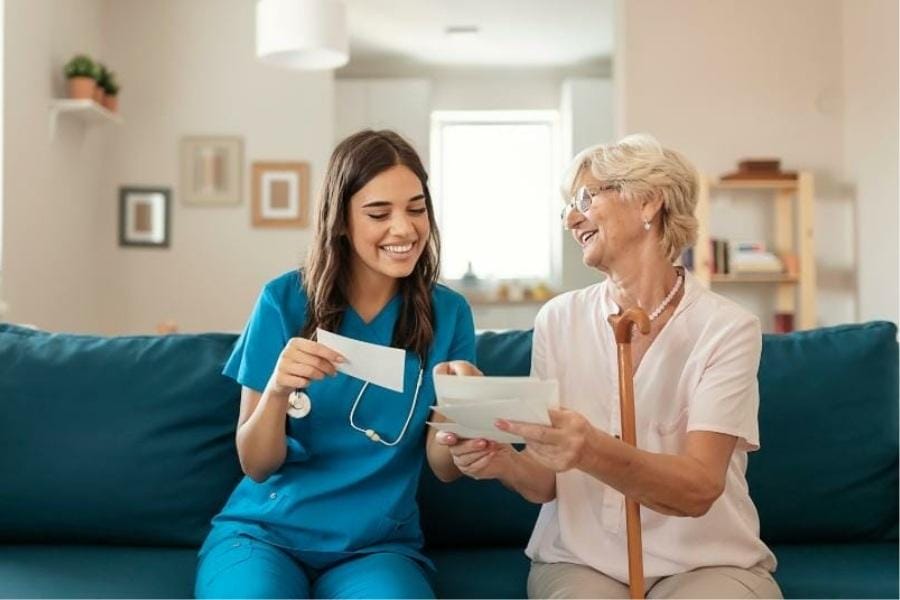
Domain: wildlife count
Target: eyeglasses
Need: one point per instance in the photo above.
(584, 198)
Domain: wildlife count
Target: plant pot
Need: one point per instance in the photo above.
(82, 88)
(99, 94)
(111, 103)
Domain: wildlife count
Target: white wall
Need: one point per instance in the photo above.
(520, 89)
(725, 80)
(811, 81)
(588, 116)
(189, 68)
(400, 104)
(870, 147)
(53, 199)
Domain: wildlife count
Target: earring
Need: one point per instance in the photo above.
(646, 225)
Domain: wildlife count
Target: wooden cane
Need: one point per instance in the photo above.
(622, 326)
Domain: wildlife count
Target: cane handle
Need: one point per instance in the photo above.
(622, 324)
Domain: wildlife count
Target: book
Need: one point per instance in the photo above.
(756, 262)
(750, 246)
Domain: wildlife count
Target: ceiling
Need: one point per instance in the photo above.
(512, 33)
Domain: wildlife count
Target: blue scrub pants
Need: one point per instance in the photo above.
(242, 567)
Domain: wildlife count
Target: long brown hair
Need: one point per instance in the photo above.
(356, 161)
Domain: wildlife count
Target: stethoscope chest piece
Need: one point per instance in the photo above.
(299, 404)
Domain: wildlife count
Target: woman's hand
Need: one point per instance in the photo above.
(560, 446)
(439, 457)
(478, 458)
(456, 367)
(301, 362)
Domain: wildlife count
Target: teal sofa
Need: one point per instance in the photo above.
(116, 452)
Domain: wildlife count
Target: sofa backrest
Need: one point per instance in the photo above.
(131, 440)
(826, 470)
(827, 465)
(126, 440)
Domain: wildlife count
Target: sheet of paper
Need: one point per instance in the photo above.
(457, 389)
(482, 415)
(464, 432)
(473, 404)
(379, 365)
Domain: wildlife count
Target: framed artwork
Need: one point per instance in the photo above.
(280, 193)
(144, 216)
(211, 170)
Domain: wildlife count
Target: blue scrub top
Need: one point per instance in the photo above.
(338, 493)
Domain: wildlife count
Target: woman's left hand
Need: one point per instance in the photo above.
(560, 446)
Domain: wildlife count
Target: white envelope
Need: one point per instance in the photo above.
(474, 434)
(475, 403)
(379, 365)
(482, 415)
(462, 389)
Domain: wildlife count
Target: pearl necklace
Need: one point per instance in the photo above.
(662, 305)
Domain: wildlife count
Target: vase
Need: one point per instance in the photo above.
(82, 88)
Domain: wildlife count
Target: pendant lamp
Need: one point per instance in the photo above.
(302, 34)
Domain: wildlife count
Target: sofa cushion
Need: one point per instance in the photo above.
(26, 571)
(827, 468)
(38, 571)
(856, 570)
(123, 440)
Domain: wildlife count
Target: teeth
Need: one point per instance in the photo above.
(586, 236)
(398, 249)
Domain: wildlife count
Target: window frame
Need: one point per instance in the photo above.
(551, 118)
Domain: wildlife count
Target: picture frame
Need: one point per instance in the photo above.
(211, 168)
(280, 194)
(144, 216)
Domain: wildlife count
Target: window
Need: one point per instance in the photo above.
(495, 182)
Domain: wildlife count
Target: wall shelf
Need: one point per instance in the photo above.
(87, 111)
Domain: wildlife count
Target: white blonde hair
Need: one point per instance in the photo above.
(642, 169)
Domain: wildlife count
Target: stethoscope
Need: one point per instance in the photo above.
(299, 406)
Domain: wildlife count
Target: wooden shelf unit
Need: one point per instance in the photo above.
(795, 293)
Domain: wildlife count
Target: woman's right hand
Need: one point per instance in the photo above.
(302, 361)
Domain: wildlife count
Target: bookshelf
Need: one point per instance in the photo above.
(794, 234)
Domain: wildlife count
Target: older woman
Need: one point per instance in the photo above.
(696, 402)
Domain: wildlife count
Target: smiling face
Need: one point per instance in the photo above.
(609, 227)
(388, 224)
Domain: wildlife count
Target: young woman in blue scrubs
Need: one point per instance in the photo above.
(328, 508)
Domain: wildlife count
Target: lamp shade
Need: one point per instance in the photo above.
(302, 34)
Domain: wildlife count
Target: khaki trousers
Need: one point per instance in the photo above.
(566, 580)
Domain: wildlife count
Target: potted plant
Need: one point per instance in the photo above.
(111, 88)
(100, 74)
(81, 75)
